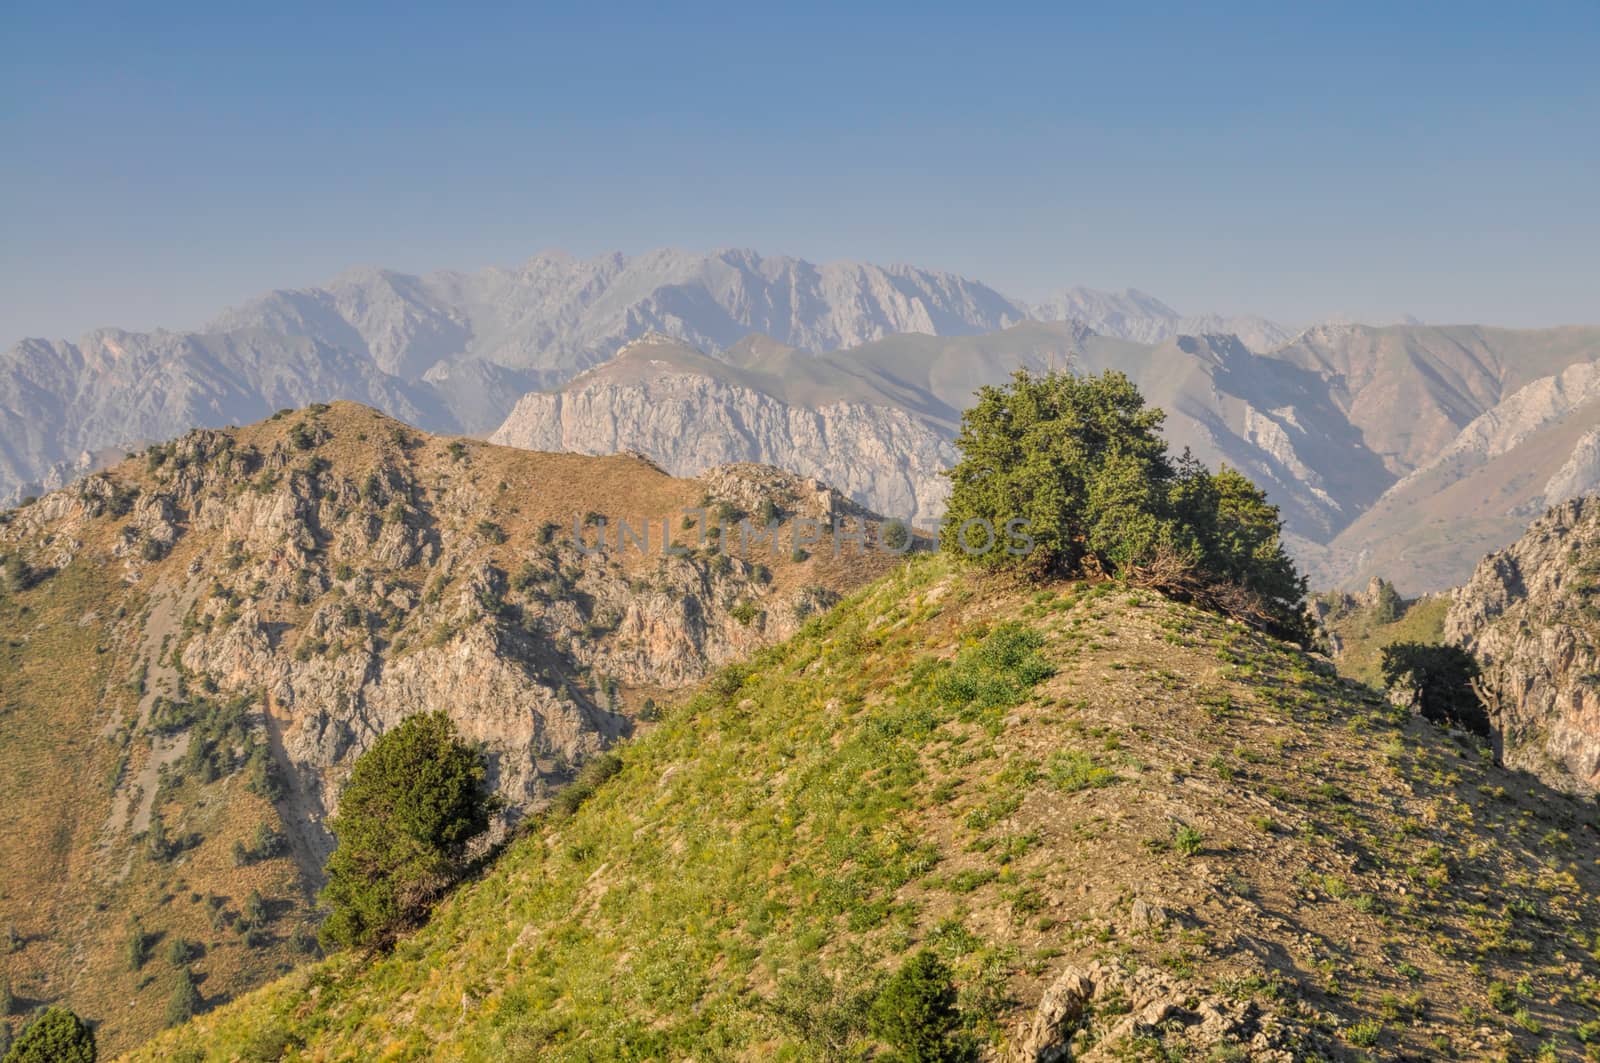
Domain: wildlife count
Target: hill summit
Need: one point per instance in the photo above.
(1065, 821)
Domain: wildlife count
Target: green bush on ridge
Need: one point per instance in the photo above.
(1077, 464)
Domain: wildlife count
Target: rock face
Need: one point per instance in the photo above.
(1154, 1005)
(1138, 316)
(1531, 614)
(344, 573)
(881, 456)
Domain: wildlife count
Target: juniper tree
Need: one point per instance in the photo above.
(413, 803)
(1078, 465)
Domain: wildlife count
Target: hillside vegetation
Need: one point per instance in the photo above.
(196, 644)
(1358, 627)
(1115, 820)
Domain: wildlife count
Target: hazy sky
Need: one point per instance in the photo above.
(158, 162)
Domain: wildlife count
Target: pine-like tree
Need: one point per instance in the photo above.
(414, 801)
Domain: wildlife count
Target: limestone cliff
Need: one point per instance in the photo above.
(1531, 613)
(881, 456)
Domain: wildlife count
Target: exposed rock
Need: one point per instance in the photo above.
(1142, 915)
(1531, 615)
(348, 594)
(688, 421)
(1149, 1005)
(1059, 1013)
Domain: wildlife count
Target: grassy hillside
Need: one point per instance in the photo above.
(1361, 636)
(1242, 856)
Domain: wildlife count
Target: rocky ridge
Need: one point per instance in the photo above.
(1531, 615)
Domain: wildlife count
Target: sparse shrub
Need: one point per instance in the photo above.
(262, 774)
(996, 672)
(598, 769)
(1071, 770)
(818, 1011)
(180, 951)
(253, 913)
(303, 941)
(21, 576)
(413, 802)
(916, 1014)
(491, 532)
(303, 435)
(56, 1036)
(269, 842)
(268, 1044)
(138, 947)
(185, 1001)
(1187, 840)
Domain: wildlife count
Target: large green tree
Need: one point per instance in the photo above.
(56, 1036)
(1077, 465)
(413, 803)
(1437, 681)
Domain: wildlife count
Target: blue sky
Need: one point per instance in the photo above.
(163, 161)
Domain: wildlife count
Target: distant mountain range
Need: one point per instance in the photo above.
(1405, 449)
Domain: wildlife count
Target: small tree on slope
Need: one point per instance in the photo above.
(413, 802)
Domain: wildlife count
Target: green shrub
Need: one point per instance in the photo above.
(138, 948)
(413, 802)
(56, 1036)
(1071, 770)
(303, 436)
(996, 672)
(180, 951)
(1070, 475)
(599, 768)
(916, 1014)
(1438, 682)
(253, 913)
(1188, 841)
(185, 1002)
(268, 1044)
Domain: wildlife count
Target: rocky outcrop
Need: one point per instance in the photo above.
(881, 456)
(1531, 615)
(344, 573)
(1143, 1005)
